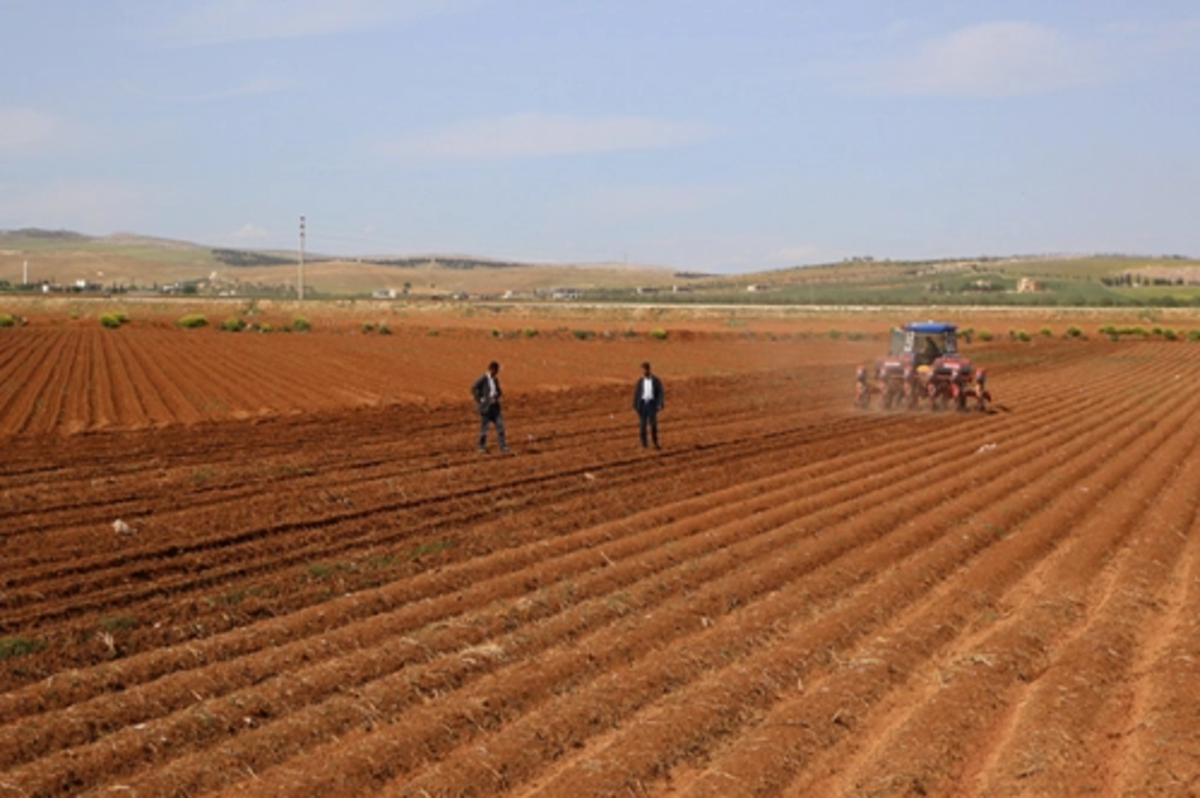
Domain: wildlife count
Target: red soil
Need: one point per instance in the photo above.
(327, 591)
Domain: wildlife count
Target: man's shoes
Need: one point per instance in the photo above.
(656, 446)
(481, 449)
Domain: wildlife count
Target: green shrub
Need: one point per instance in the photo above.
(112, 320)
(1046, 332)
(1193, 335)
(582, 335)
(384, 329)
(529, 332)
(300, 324)
(18, 646)
(368, 327)
(265, 328)
(1169, 334)
(192, 321)
(233, 324)
(1074, 332)
(658, 333)
(7, 320)
(834, 335)
(985, 335)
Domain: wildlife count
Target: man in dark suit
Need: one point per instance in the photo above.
(486, 392)
(647, 401)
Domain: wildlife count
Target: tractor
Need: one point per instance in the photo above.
(923, 364)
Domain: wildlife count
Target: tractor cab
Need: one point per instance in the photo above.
(922, 343)
(923, 362)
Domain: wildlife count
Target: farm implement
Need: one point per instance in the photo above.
(922, 366)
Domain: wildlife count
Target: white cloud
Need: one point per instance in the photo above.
(535, 134)
(87, 206)
(26, 131)
(249, 233)
(651, 200)
(218, 21)
(992, 59)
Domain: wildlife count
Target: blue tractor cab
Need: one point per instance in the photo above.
(921, 343)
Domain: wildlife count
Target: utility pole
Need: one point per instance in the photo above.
(300, 281)
(25, 274)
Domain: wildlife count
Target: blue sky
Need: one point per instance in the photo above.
(698, 134)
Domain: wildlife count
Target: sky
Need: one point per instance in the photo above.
(703, 135)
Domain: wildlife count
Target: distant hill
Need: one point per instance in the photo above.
(128, 259)
(1040, 280)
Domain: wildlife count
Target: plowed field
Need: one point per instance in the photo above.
(320, 588)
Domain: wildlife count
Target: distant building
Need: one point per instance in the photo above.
(1027, 285)
(756, 287)
(383, 293)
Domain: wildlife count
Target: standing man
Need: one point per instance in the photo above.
(486, 391)
(647, 401)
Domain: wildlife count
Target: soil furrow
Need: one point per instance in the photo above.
(1159, 747)
(732, 694)
(824, 493)
(621, 644)
(355, 715)
(30, 381)
(1024, 645)
(1047, 751)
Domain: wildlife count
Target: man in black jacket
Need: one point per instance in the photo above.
(647, 401)
(486, 392)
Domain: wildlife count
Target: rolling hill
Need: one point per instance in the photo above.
(127, 260)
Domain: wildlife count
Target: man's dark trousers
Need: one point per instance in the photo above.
(491, 414)
(648, 417)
